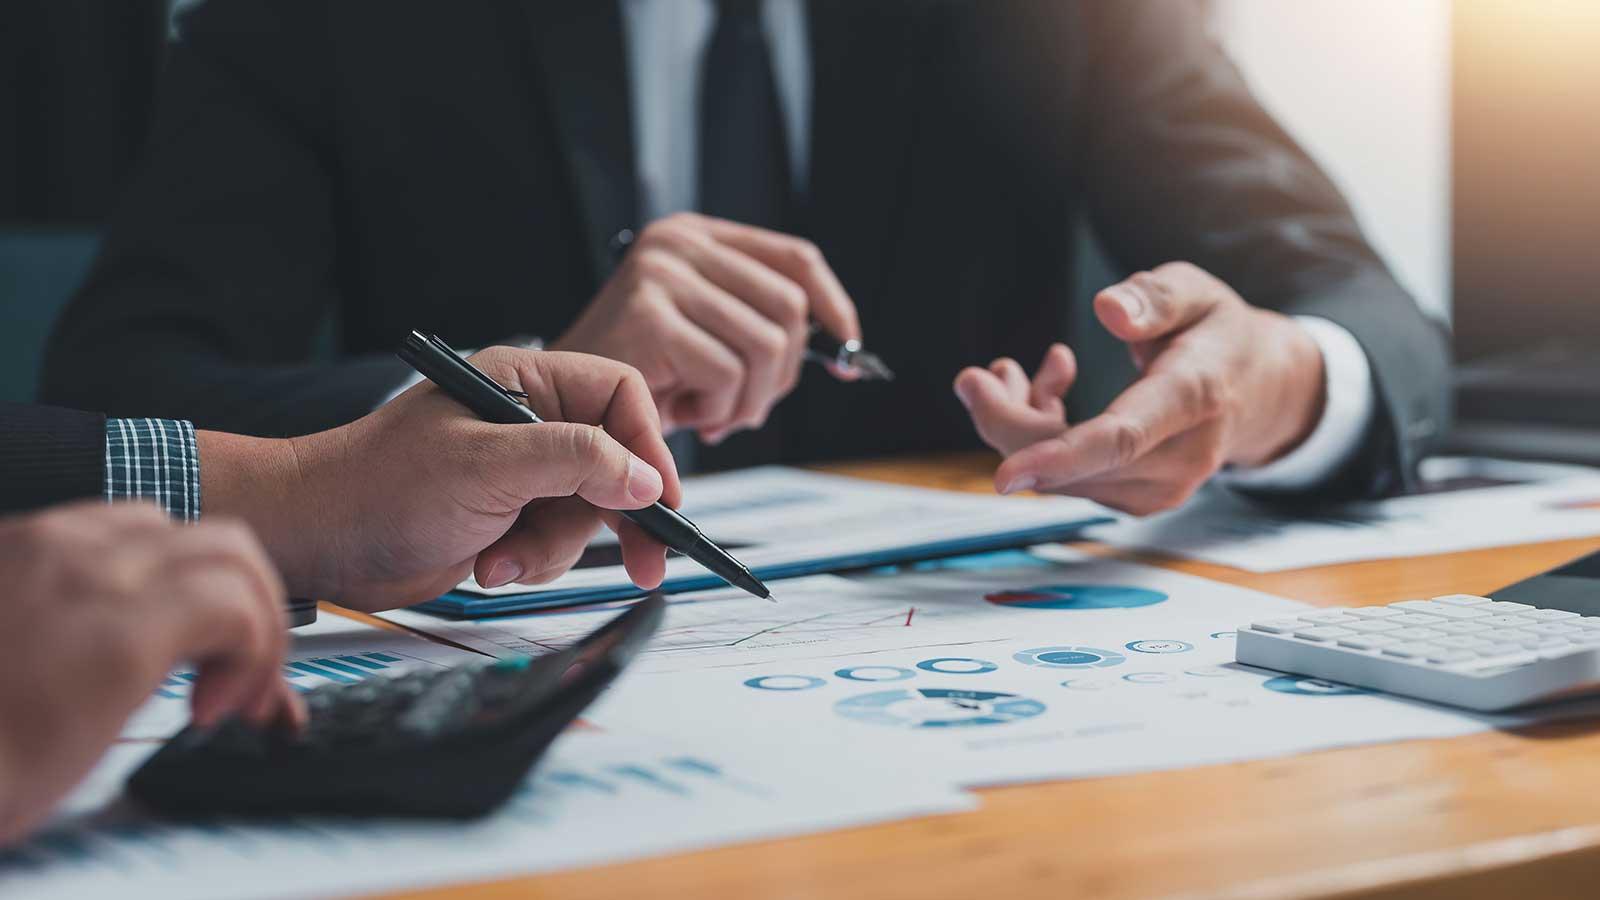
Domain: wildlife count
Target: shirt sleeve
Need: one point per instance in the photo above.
(1348, 409)
(154, 459)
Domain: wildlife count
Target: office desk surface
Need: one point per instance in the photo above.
(1498, 814)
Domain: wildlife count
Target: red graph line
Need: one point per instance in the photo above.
(909, 613)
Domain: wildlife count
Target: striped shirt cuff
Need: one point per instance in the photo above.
(154, 459)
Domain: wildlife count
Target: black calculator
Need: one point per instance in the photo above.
(449, 743)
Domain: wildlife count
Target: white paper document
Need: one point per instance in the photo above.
(331, 650)
(1475, 504)
(773, 518)
(597, 798)
(1078, 669)
(826, 615)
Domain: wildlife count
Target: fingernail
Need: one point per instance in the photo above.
(1132, 304)
(503, 572)
(644, 482)
(961, 394)
(1020, 483)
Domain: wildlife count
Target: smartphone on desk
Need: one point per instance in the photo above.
(454, 743)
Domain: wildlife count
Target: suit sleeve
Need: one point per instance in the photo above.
(217, 272)
(1184, 164)
(49, 455)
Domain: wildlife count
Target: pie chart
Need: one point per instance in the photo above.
(938, 708)
(1077, 596)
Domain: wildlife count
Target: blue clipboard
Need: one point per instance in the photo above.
(461, 605)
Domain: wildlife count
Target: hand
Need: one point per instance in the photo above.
(716, 315)
(400, 506)
(101, 603)
(1220, 382)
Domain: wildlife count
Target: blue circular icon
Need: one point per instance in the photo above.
(1159, 646)
(1310, 687)
(784, 682)
(1224, 635)
(957, 665)
(938, 708)
(1086, 684)
(1148, 677)
(1069, 657)
(1077, 596)
(875, 673)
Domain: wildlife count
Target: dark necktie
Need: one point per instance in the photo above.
(744, 159)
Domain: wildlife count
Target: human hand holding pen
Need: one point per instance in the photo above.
(716, 315)
(398, 507)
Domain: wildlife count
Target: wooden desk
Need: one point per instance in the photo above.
(1494, 815)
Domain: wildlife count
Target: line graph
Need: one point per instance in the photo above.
(712, 625)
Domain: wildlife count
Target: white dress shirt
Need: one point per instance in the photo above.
(665, 41)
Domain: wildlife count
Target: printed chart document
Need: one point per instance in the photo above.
(926, 604)
(332, 649)
(1469, 504)
(1046, 671)
(784, 523)
(598, 797)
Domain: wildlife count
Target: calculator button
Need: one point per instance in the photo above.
(1507, 621)
(1323, 633)
(1277, 626)
(1592, 622)
(1555, 628)
(1445, 657)
(1464, 643)
(1374, 612)
(1367, 642)
(1416, 619)
(1460, 612)
(1330, 617)
(1461, 627)
(1417, 634)
(1405, 651)
(1373, 626)
(1461, 600)
(1502, 606)
(1550, 615)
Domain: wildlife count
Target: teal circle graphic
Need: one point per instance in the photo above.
(1310, 687)
(1160, 645)
(1077, 596)
(1148, 677)
(1086, 684)
(1069, 657)
(784, 682)
(874, 673)
(957, 665)
(938, 708)
(1224, 635)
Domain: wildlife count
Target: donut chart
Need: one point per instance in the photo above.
(920, 708)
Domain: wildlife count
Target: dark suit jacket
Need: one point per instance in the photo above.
(464, 169)
(49, 455)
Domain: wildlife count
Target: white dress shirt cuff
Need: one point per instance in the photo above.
(1347, 412)
(415, 378)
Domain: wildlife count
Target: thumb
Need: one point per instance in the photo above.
(560, 459)
(1152, 305)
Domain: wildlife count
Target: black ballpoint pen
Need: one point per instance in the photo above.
(493, 402)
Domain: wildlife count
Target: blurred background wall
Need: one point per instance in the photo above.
(1364, 85)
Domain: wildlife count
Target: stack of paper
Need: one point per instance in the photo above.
(1468, 504)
